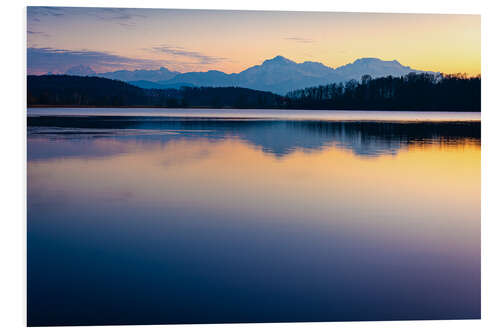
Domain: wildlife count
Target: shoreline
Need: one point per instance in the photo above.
(38, 106)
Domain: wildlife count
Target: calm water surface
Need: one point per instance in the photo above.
(233, 216)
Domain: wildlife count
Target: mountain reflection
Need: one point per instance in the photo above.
(277, 137)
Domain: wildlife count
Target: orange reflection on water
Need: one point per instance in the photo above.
(427, 195)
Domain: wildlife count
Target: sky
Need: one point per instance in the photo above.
(108, 39)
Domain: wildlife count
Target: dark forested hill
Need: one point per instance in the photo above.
(424, 92)
(94, 91)
(79, 90)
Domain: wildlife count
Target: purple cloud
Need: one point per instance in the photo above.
(121, 16)
(37, 33)
(37, 12)
(180, 51)
(45, 59)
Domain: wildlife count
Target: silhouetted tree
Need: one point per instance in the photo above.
(424, 91)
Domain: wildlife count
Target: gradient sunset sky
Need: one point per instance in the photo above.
(108, 39)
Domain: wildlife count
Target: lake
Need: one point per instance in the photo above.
(147, 216)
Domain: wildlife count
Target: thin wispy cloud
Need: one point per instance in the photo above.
(37, 33)
(37, 12)
(201, 58)
(45, 59)
(117, 14)
(300, 40)
(35, 16)
(122, 16)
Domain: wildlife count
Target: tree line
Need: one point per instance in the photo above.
(424, 92)
(67, 90)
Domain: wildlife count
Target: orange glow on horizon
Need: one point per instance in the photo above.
(231, 41)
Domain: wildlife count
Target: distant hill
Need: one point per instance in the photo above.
(81, 70)
(82, 90)
(125, 75)
(66, 90)
(278, 75)
(281, 75)
(375, 68)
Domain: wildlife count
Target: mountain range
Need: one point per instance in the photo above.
(278, 75)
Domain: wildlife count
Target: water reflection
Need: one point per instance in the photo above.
(205, 221)
(279, 137)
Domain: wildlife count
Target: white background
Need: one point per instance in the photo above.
(13, 161)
